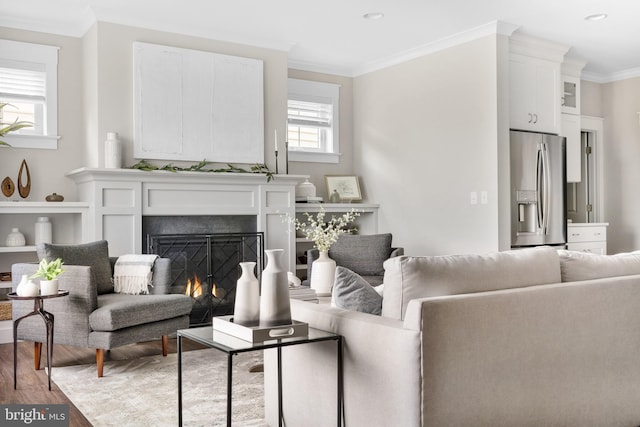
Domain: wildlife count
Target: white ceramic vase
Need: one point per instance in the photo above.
(323, 273)
(275, 307)
(112, 151)
(49, 287)
(15, 238)
(43, 230)
(27, 287)
(246, 309)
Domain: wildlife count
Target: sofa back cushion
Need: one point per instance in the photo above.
(576, 266)
(94, 255)
(408, 278)
(363, 254)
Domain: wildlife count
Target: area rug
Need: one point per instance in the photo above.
(144, 392)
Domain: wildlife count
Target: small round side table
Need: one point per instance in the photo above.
(48, 321)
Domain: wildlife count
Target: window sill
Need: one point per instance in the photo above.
(32, 141)
(306, 156)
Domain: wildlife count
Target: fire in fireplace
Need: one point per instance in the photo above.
(207, 267)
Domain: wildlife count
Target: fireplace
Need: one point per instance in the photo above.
(206, 267)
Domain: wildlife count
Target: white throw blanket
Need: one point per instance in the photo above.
(133, 274)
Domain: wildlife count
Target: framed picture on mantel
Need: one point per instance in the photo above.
(346, 186)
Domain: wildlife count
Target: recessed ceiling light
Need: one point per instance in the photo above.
(373, 15)
(596, 17)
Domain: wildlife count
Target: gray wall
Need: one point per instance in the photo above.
(426, 134)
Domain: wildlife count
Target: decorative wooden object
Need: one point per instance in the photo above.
(8, 187)
(24, 190)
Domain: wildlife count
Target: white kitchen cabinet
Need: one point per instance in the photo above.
(570, 95)
(571, 71)
(534, 94)
(587, 237)
(571, 131)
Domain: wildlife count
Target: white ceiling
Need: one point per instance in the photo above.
(332, 36)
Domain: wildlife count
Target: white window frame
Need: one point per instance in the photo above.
(319, 92)
(22, 55)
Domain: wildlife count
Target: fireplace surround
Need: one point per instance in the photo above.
(119, 199)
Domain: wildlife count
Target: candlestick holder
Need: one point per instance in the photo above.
(286, 156)
(276, 162)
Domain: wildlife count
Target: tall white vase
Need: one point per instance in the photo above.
(323, 272)
(112, 151)
(246, 310)
(43, 230)
(275, 308)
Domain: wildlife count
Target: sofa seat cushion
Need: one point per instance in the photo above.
(117, 311)
(575, 266)
(363, 254)
(407, 278)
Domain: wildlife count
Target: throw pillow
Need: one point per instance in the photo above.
(94, 255)
(576, 266)
(352, 292)
(363, 254)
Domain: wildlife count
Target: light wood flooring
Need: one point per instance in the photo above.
(33, 385)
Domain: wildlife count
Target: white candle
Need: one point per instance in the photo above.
(276, 138)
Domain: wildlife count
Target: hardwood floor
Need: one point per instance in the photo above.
(33, 385)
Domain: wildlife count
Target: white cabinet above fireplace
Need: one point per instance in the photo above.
(119, 198)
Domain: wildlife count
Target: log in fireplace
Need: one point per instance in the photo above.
(206, 267)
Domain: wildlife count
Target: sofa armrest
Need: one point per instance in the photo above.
(381, 366)
(161, 276)
(71, 313)
(562, 354)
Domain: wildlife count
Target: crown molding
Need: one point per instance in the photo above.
(613, 77)
(491, 28)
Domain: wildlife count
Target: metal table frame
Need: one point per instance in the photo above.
(38, 310)
(204, 335)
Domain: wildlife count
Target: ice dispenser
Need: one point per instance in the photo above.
(527, 211)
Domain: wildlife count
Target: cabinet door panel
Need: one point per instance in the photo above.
(521, 93)
(547, 104)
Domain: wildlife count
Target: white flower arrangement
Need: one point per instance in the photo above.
(324, 233)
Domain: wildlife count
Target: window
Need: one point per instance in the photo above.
(312, 121)
(28, 81)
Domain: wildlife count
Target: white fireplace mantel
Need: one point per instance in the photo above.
(119, 198)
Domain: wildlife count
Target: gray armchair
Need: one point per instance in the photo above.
(93, 315)
(362, 254)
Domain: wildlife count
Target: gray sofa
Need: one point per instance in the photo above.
(93, 315)
(520, 338)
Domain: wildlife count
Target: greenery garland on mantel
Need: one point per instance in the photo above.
(200, 167)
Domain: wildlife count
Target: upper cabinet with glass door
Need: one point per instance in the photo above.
(570, 100)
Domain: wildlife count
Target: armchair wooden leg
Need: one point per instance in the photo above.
(37, 355)
(165, 345)
(100, 361)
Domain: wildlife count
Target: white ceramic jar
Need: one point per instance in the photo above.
(43, 230)
(15, 238)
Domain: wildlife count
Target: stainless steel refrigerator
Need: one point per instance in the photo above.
(538, 189)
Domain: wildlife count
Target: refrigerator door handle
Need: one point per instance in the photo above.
(539, 187)
(546, 188)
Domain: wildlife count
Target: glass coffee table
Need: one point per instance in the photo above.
(233, 346)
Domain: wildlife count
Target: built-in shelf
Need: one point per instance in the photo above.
(16, 249)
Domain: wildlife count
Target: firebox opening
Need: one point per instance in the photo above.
(205, 265)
